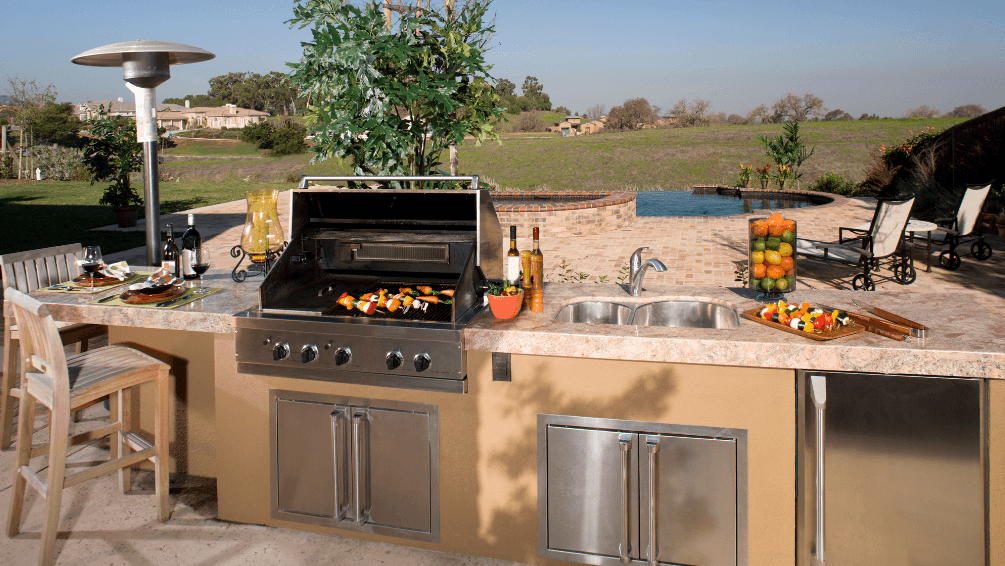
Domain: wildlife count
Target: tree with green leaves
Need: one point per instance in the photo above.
(112, 153)
(393, 97)
(787, 148)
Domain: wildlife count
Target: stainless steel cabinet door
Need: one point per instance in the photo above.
(692, 482)
(305, 458)
(592, 491)
(399, 470)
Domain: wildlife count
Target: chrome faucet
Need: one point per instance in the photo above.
(637, 270)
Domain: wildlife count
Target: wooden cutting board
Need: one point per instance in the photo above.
(848, 330)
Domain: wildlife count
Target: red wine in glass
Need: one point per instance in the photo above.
(90, 261)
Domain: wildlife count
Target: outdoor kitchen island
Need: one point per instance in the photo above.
(484, 488)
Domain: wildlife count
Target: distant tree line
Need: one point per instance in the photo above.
(272, 93)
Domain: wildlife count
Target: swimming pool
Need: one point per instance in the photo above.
(687, 203)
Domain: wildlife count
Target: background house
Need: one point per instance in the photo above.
(176, 116)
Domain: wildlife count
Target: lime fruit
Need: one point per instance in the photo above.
(788, 237)
(757, 245)
(773, 243)
(768, 283)
(781, 284)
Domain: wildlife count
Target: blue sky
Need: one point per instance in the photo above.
(880, 57)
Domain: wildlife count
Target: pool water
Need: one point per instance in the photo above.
(686, 203)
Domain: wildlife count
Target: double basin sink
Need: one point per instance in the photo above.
(671, 314)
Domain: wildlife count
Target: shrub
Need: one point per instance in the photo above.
(289, 139)
(260, 134)
(530, 122)
(59, 163)
(7, 168)
(835, 184)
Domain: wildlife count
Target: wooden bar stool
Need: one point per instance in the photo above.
(64, 384)
(26, 272)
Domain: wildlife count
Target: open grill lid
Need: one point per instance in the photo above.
(358, 240)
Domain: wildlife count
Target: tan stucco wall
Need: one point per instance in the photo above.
(488, 452)
(996, 479)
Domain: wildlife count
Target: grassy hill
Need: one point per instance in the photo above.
(675, 159)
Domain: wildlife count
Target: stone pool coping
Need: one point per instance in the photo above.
(602, 198)
(836, 200)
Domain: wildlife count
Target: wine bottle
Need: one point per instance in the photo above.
(512, 259)
(526, 283)
(190, 240)
(537, 274)
(171, 259)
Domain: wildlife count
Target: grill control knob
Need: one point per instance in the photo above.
(342, 356)
(280, 351)
(394, 360)
(309, 353)
(422, 362)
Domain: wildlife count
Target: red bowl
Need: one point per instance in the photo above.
(506, 307)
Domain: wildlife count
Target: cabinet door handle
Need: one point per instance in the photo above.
(340, 420)
(818, 392)
(625, 548)
(360, 454)
(652, 551)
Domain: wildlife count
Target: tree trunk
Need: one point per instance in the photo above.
(453, 159)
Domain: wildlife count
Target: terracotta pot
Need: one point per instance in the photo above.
(748, 183)
(506, 307)
(126, 216)
(784, 185)
(764, 183)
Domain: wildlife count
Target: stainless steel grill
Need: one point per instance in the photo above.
(358, 241)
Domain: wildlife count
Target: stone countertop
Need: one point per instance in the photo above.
(961, 341)
(209, 314)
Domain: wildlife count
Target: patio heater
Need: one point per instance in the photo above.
(145, 65)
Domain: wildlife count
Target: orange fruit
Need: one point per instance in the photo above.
(776, 218)
(789, 225)
(759, 228)
(787, 263)
(760, 271)
(776, 229)
(772, 257)
(775, 271)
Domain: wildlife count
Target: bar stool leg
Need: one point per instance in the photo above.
(24, 433)
(125, 419)
(59, 424)
(161, 428)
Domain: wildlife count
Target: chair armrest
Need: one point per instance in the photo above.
(859, 251)
(860, 234)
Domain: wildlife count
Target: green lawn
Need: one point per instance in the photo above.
(675, 159)
(50, 213)
(212, 148)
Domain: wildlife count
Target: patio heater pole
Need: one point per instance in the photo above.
(146, 65)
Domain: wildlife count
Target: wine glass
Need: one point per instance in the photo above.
(201, 260)
(90, 262)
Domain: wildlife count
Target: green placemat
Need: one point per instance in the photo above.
(191, 294)
(74, 288)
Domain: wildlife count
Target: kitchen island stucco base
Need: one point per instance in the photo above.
(488, 452)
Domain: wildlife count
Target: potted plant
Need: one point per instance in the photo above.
(112, 154)
(505, 301)
(784, 177)
(745, 175)
(764, 174)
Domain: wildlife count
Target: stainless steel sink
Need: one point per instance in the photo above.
(595, 312)
(686, 314)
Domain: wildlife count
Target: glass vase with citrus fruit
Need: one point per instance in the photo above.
(771, 257)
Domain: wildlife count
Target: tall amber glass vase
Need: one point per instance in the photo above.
(262, 230)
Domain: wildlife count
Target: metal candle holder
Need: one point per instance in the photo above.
(255, 268)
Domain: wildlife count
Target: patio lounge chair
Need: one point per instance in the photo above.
(963, 228)
(866, 247)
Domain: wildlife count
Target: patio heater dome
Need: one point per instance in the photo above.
(145, 66)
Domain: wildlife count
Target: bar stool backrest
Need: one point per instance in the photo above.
(34, 269)
(970, 209)
(888, 226)
(41, 348)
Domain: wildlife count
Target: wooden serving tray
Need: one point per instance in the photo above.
(848, 330)
(134, 299)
